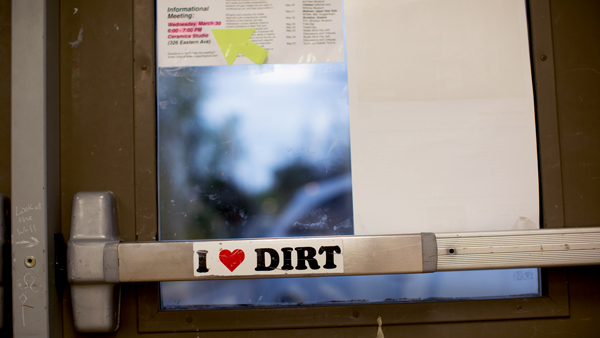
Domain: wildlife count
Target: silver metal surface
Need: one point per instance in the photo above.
(430, 257)
(35, 195)
(111, 262)
(154, 261)
(90, 268)
(363, 255)
(518, 249)
(367, 255)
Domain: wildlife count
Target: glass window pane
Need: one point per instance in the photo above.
(252, 151)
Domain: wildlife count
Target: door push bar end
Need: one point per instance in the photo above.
(92, 262)
(430, 251)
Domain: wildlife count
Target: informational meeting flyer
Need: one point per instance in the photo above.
(292, 31)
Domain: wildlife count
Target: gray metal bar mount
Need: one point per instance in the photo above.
(93, 237)
(98, 261)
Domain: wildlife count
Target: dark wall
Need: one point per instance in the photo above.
(576, 35)
(96, 105)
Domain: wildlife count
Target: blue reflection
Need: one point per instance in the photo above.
(356, 289)
(254, 151)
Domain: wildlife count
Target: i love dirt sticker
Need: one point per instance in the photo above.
(269, 257)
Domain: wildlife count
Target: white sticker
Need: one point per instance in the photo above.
(292, 31)
(267, 258)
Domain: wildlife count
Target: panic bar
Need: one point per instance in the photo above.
(97, 260)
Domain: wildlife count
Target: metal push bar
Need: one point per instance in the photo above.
(98, 261)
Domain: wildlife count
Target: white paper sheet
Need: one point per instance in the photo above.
(442, 116)
(293, 31)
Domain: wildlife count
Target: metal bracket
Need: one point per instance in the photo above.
(97, 262)
(92, 262)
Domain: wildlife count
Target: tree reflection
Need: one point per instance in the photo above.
(202, 197)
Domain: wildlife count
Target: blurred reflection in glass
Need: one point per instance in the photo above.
(254, 151)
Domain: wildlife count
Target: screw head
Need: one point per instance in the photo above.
(519, 307)
(144, 67)
(355, 314)
(189, 319)
(30, 261)
(543, 57)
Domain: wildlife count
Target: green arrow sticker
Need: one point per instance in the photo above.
(234, 42)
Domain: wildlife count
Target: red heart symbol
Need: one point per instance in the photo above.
(232, 259)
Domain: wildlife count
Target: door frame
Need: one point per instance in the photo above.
(554, 300)
(35, 176)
